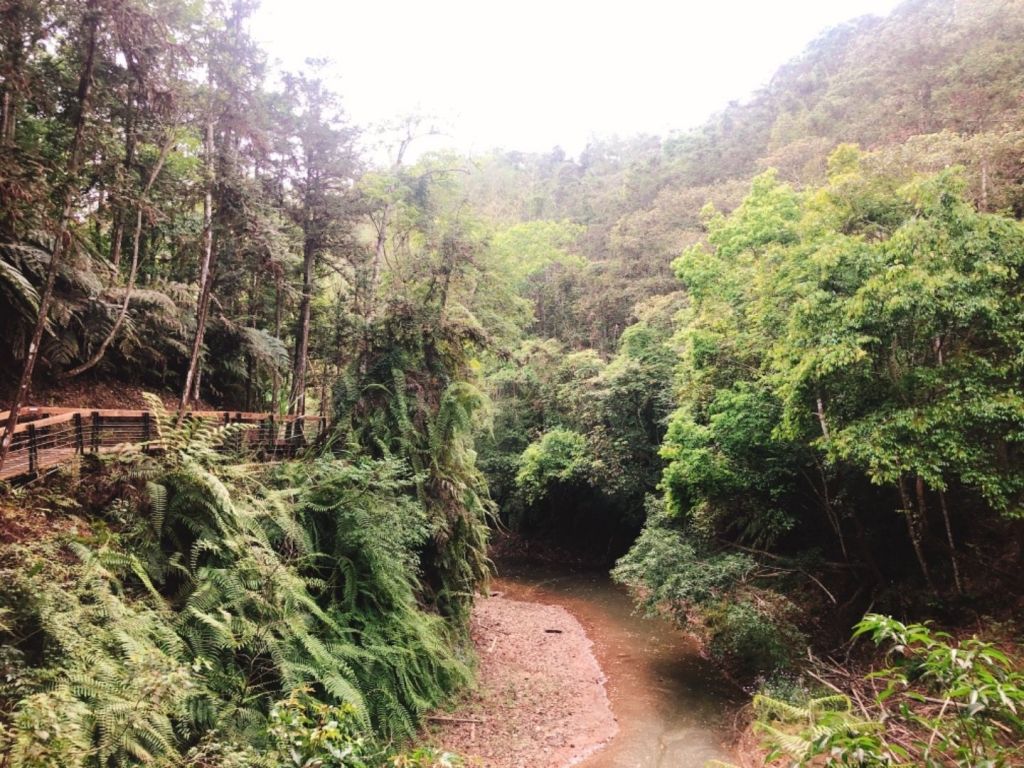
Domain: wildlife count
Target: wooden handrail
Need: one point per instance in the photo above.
(92, 430)
(49, 421)
(59, 415)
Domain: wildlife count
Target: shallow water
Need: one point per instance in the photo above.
(673, 707)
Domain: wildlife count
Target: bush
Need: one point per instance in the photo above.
(224, 613)
(672, 573)
(943, 703)
(751, 640)
(711, 592)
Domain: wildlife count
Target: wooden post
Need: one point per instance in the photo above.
(79, 434)
(96, 431)
(146, 434)
(33, 450)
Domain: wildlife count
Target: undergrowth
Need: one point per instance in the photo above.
(939, 702)
(720, 597)
(226, 614)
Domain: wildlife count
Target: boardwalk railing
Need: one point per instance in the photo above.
(46, 437)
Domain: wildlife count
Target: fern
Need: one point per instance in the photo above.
(242, 585)
(157, 504)
(824, 725)
(17, 289)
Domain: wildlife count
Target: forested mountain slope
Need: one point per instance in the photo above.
(828, 371)
(935, 83)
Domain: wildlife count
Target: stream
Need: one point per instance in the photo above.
(674, 709)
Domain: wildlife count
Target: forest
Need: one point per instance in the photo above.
(767, 372)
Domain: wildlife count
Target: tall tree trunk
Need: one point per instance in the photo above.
(14, 78)
(121, 210)
(379, 254)
(251, 369)
(449, 256)
(826, 499)
(6, 113)
(275, 395)
(90, 28)
(937, 346)
(190, 392)
(323, 395)
(297, 399)
(381, 224)
(133, 271)
(822, 421)
(830, 511)
(914, 529)
(953, 558)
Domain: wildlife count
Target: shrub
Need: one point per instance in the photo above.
(222, 613)
(751, 640)
(944, 703)
(712, 592)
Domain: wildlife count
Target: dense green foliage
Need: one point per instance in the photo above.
(849, 357)
(932, 90)
(226, 611)
(577, 436)
(962, 697)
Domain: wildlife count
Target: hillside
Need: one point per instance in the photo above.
(932, 85)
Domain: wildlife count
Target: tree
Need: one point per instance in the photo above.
(88, 31)
(325, 168)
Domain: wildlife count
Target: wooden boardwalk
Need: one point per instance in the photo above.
(48, 437)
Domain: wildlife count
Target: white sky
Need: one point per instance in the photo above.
(530, 75)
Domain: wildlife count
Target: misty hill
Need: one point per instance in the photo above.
(935, 83)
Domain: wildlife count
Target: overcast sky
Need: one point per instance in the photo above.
(531, 75)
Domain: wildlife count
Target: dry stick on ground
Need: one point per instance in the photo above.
(853, 693)
(826, 683)
(90, 28)
(136, 239)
